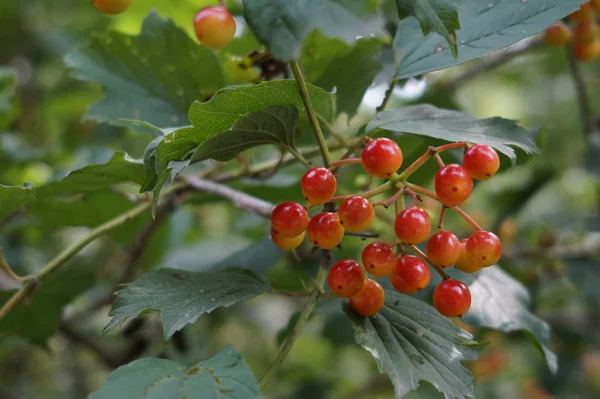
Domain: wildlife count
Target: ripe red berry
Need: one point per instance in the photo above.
(112, 7)
(356, 213)
(318, 185)
(481, 161)
(587, 52)
(379, 259)
(381, 157)
(410, 275)
(453, 185)
(214, 26)
(557, 35)
(289, 219)
(369, 300)
(484, 248)
(585, 33)
(346, 278)
(325, 230)
(443, 249)
(412, 225)
(452, 298)
(287, 243)
(465, 262)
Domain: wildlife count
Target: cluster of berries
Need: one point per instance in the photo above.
(584, 32)
(408, 274)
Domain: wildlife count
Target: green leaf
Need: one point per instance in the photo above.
(585, 274)
(7, 93)
(224, 376)
(271, 125)
(283, 25)
(152, 77)
(37, 319)
(182, 296)
(500, 302)
(411, 341)
(259, 257)
(12, 198)
(440, 16)
(326, 61)
(427, 120)
(486, 26)
(119, 169)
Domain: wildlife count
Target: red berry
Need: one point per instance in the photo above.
(595, 4)
(286, 243)
(214, 26)
(325, 230)
(318, 185)
(481, 161)
(112, 7)
(587, 52)
(465, 262)
(356, 213)
(452, 298)
(379, 259)
(484, 248)
(557, 35)
(289, 219)
(382, 157)
(585, 32)
(346, 278)
(410, 275)
(584, 14)
(443, 249)
(453, 185)
(369, 300)
(413, 225)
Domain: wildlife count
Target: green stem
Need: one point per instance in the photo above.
(341, 139)
(7, 269)
(298, 157)
(312, 117)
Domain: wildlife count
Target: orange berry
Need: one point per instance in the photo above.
(584, 14)
(325, 230)
(443, 249)
(356, 213)
(112, 7)
(410, 275)
(484, 248)
(289, 219)
(287, 243)
(465, 263)
(587, 52)
(381, 157)
(346, 278)
(558, 34)
(412, 225)
(215, 27)
(453, 185)
(585, 33)
(452, 298)
(318, 185)
(379, 259)
(369, 300)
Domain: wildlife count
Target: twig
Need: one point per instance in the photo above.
(587, 118)
(362, 234)
(438, 269)
(7, 269)
(341, 139)
(387, 96)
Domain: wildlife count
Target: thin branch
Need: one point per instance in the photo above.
(362, 234)
(438, 269)
(7, 269)
(585, 109)
(387, 96)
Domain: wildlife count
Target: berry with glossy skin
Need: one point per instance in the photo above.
(557, 35)
(214, 26)
(410, 275)
(289, 219)
(484, 248)
(443, 249)
(585, 33)
(452, 298)
(369, 299)
(112, 7)
(481, 161)
(379, 259)
(465, 263)
(346, 278)
(453, 184)
(318, 185)
(325, 230)
(356, 213)
(381, 157)
(412, 225)
(584, 14)
(286, 243)
(587, 52)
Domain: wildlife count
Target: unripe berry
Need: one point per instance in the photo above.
(584, 14)
(287, 243)
(481, 161)
(112, 7)
(214, 26)
(325, 230)
(369, 300)
(558, 34)
(410, 275)
(465, 263)
(585, 33)
(356, 213)
(412, 225)
(587, 52)
(443, 249)
(346, 278)
(318, 185)
(452, 298)
(484, 248)
(289, 219)
(379, 259)
(453, 185)
(381, 157)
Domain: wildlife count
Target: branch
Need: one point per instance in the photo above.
(387, 96)
(587, 117)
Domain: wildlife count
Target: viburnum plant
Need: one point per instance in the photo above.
(272, 84)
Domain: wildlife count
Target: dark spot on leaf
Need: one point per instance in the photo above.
(181, 276)
(396, 303)
(193, 371)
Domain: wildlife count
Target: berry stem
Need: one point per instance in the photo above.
(399, 204)
(438, 269)
(347, 161)
(7, 269)
(468, 218)
(299, 157)
(341, 139)
(377, 190)
(440, 224)
(312, 117)
(431, 152)
(390, 200)
(439, 160)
